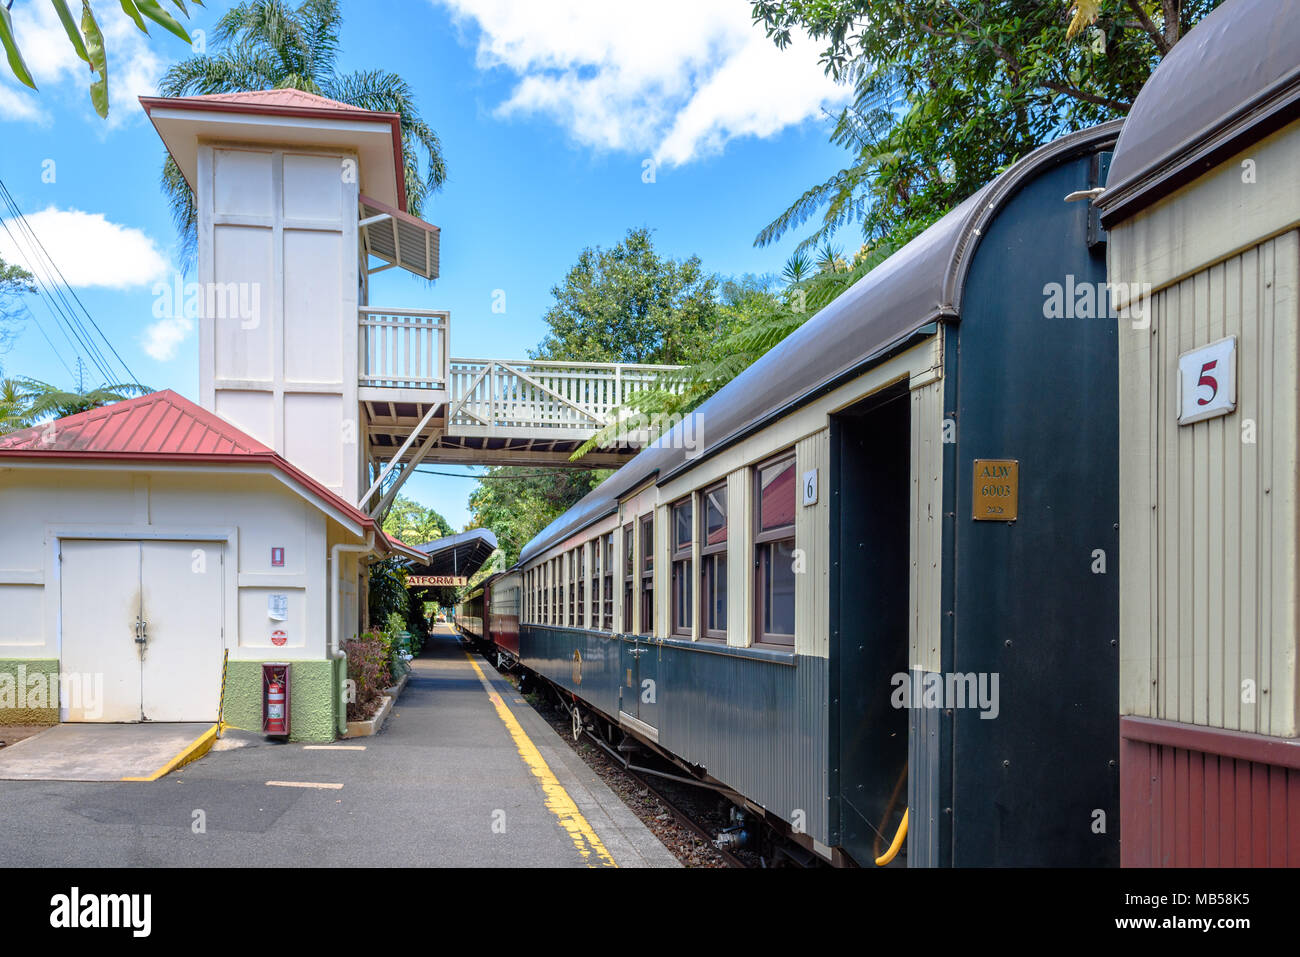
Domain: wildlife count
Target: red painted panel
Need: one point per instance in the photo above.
(1188, 806)
(1209, 828)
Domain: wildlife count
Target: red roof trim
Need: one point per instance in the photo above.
(394, 120)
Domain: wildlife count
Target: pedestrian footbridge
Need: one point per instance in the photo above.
(420, 404)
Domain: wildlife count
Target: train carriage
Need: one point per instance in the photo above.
(1202, 205)
(869, 577)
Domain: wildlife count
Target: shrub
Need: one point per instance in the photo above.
(369, 668)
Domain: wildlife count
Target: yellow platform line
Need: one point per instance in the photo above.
(191, 752)
(557, 799)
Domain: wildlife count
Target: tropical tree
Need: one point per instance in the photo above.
(629, 304)
(88, 41)
(517, 502)
(414, 523)
(15, 281)
(757, 314)
(42, 400)
(268, 45)
(13, 407)
(947, 93)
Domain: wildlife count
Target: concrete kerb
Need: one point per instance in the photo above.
(363, 729)
(188, 755)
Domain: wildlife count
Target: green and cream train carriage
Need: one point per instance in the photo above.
(1203, 210)
(868, 577)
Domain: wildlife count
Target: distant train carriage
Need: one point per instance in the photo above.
(1203, 208)
(870, 575)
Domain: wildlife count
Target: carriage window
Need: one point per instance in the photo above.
(648, 574)
(607, 569)
(774, 552)
(683, 535)
(627, 579)
(580, 560)
(713, 562)
(557, 596)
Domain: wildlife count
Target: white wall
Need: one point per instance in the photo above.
(281, 225)
(248, 512)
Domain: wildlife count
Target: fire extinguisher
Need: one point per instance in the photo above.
(275, 716)
(276, 709)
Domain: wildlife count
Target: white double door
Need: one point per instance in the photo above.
(141, 630)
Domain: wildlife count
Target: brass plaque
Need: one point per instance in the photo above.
(997, 490)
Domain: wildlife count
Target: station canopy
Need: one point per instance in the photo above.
(451, 561)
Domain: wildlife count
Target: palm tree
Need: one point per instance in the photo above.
(13, 406)
(268, 45)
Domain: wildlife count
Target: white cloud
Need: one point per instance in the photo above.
(677, 79)
(162, 339)
(87, 248)
(135, 63)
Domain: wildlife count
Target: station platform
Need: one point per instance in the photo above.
(463, 774)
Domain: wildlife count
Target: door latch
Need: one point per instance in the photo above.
(141, 631)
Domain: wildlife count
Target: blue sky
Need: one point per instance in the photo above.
(547, 112)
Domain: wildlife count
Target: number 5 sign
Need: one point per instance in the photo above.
(1207, 381)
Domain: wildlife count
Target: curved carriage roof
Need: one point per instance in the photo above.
(1231, 81)
(918, 285)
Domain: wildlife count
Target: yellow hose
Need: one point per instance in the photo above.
(890, 854)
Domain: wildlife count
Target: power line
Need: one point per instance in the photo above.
(102, 362)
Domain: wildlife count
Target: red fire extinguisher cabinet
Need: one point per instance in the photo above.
(275, 699)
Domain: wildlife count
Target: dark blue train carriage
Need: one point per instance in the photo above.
(875, 574)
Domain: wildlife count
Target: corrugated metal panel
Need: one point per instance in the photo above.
(1184, 807)
(161, 423)
(927, 527)
(740, 560)
(924, 802)
(812, 537)
(758, 726)
(1209, 595)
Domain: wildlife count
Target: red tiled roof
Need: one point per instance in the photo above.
(159, 427)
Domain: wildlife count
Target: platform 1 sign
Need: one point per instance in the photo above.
(427, 581)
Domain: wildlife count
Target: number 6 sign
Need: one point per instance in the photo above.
(1207, 381)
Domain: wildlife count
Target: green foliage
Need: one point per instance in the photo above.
(756, 316)
(13, 407)
(947, 93)
(88, 43)
(629, 304)
(45, 400)
(15, 282)
(269, 45)
(414, 523)
(25, 402)
(369, 668)
(517, 502)
(387, 591)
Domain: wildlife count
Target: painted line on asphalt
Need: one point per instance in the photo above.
(303, 784)
(333, 747)
(558, 801)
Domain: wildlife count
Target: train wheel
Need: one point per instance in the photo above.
(577, 723)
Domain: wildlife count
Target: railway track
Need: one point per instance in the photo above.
(682, 818)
